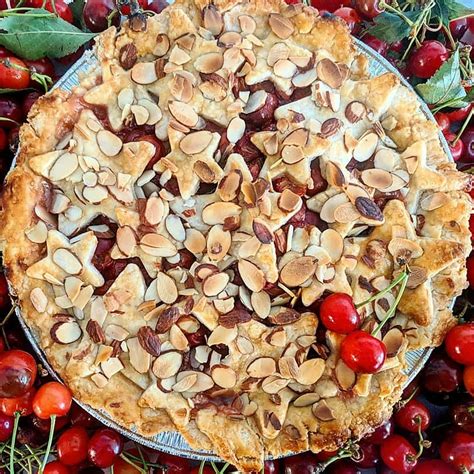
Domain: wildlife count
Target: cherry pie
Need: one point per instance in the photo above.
(173, 224)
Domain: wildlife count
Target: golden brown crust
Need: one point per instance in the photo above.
(110, 361)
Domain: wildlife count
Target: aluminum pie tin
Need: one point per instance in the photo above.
(172, 442)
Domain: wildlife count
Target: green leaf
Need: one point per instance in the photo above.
(39, 34)
(77, 7)
(390, 27)
(450, 9)
(445, 85)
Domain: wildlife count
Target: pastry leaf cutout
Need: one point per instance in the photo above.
(38, 33)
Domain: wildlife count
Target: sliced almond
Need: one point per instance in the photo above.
(434, 201)
(217, 212)
(195, 142)
(109, 144)
(377, 178)
(252, 276)
(346, 378)
(274, 384)
(366, 146)
(284, 68)
(393, 341)
(305, 79)
(261, 367)
(178, 339)
(310, 371)
(263, 233)
(175, 227)
(144, 73)
(205, 173)
(66, 332)
(63, 167)
(329, 207)
(38, 233)
(256, 101)
(281, 26)
(185, 383)
(140, 114)
(162, 45)
(166, 288)
(271, 144)
(224, 376)
(235, 130)
(334, 174)
(209, 62)
(222, 335)
(333, 243)
(212, 19)
(218, 243)
(67, 261)
(195, 241)
(417, 276)
(277, 52)
(385, 159)
(306, 400)
(126, 240)
(355, 111)
(329, 73)
(72, 286)
(181, 87)
(203, 382)
(346, 213)
(403, 250)
(322, 411)
(292, 154)
(179, 56)
(261, 303)
(289, 201)
(157, 245)
(183, 113)
(244, 345)
(297, 271)
(167, 364)
(288, 367)
(215, 283)
(229, 185)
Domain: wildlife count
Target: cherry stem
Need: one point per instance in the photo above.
(224, 468)
(201, 467)
(129, 461)
(351, 450)
(13, 440)
(463, 127)
(392, 309)
(382, 292)
(420, 437)
(50, 443)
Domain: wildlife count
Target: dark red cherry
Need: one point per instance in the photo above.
(413, 416)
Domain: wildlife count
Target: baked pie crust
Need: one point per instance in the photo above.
(181, 294)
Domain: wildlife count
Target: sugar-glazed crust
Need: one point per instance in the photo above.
(181, 293)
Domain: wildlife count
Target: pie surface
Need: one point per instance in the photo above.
(172, 225)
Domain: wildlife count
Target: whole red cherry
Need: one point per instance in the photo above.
(434, 466)
(458, 450)
(363, 353)
(459, 343)
(427, 59)
(350, 16)
(17, 373)
(398, 454)
(443, 121)
(381, 433)
(339, 314)
(413, 416)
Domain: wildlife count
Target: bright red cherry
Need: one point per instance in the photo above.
(381, 433)
(434, 466)
(459, 344)
(350, 16)
(60, 8)
(17, 373)
(55, 467)
(174, 464)
(398, 454)
(427, 59)
(330, 5)
(443, 121)
(413, 416)
(458, 450)
(368, 8)
(458, 27)
(376, 44)
(339, 314)
(14, 74)
(72, 446)
(52, 399)
(362, 352)
(457, 115)
(468, 379)
(23, 404)
(6, 427)
(104, 447)
(457, 150)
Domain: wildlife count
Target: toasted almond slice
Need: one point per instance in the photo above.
(298, 137)
(217, 212)
(377, 178)
(418, 275)
(144, 73)
(38, 299)
(288, 367)
(247, 24)
(140, 114)
(209, 62)
(305, 79)
(310, 371)
(95, 194)
(229, 185)
(261, 367)
(72, 286)
(222, 335)
(284, 68)
(346, 378)
(126, 240)
(346, 213)
(113, 331)
(183, 113)
(195, 242)
(306, 400)
(166, 288)
(289, 201)
(322, 411)
(329, 73)
(63, 167)
(205, 173)
(334, 174)
(181, 87)
(281, 26)
(215, 283)
(385, 159)
(157, 245)
(38, 233)
(404, 250)
(60, 202)
(329, 207)
(109, 144)
(67, 261)
(162, 45)
(178, 339)
(249, 248)
(168, 364)
(186, 382)
(261, 303)
(212, 19)
(252, 276)
(292, 154)
(355, 111)
(277, 52)
(179, 56)
(66, 332)
(154, 210)
(434, 201)
(235, 130)
(224, 376)
(273, 384)
(218, 243)
(297, 271)
(256, 101)
(244, 345)
(154, 112)
(262, 231)
(393, 341)
(195, 142)
(366, 146)
(271, 144)
(333, 243)
(204, 382)
(175, 227)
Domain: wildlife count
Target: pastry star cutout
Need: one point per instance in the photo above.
(62, 255)
(436, 256)
(190, 169)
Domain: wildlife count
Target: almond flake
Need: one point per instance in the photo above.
(329, 73)
(434, 201)
(235, 130)
(289, 201)
(178, 56)
(67, 261)
(72, 286)
(346, 378)
(262, 231)
(222, 335)
(195, 242)
(365, 147)
(256, 101)
(144, 73)
(212, 19)
(306, 400)
(277, 52)
(218, 243)
(217, 212)
(178, 339)
(297, 271)
(100, 380)
(195, 142)
(333, 243)
(403, 250)
(355, 111)
(181, 87)
(261, 367)
(140, 114)
(244, 345)
(292, 154)
(215, 283)
(271, 144)
(167, 364)
(252, 276)
(224, 376)
(38, 299)
(157, 245)
(175, 227)
(288, 367)
(346, 213)
(65, 332)
(162, 45)
(247, 24)
(229, 185)
(109, 144)
(274, 384)
(113, 331)
(322, 411)
(183, 113)
(209, 63)
(63, 167)
(305, 79)
(166, 288)
(126, 240)
(284, 68)
(393, 341)
(329, 207)
(38, 233)
(334, 174)
(377, 178)
(298, 137)
(261, 303)
(281, 26)
(186, 383)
